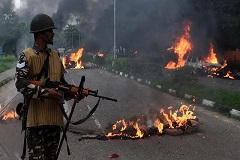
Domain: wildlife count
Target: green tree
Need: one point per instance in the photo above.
(227, 18)
(10, 28)
(70, 35)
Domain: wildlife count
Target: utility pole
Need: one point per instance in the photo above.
(72, 39)
(79, 36)
(114, 31)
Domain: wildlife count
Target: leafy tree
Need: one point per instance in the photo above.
(10, 28)
(227, 18)
(71, 36)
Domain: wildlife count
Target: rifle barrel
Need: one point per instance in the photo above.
(107, 98)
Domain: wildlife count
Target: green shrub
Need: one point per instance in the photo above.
(100, 60)
(122, 64)
(87, 58)
(185, 74)
(7, 62)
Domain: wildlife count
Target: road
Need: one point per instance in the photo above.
(218, 137)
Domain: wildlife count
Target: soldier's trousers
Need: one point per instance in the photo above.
(43, 142)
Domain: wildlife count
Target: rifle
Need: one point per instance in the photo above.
(68, 88)
(73, 90)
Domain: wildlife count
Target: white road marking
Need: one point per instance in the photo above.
(95, 120)
(93, 116)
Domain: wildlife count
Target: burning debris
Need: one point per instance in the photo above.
(9, 114)
(209, 65)
(175, 122)
(73, 60)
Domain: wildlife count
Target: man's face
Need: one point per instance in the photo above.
(48, 36)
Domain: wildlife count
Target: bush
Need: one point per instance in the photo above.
(7, 62)
(87, 58)
(100, 60)
(185, 74)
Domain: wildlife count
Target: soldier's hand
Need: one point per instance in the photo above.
(53, 94)
(78, 97)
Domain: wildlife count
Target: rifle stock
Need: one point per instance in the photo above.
(69, 88)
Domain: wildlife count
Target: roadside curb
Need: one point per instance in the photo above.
(5, 81)
(205, 102)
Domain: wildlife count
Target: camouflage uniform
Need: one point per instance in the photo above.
(44, 117)
(43, 142)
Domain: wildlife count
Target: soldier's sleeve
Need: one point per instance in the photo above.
(22, 82)
(67, 95)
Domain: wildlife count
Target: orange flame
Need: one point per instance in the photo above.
(11, 114)
(228, 75)
(173, 120)
(76, 57)
(100, 54)
(181, 48)
(64, 62)
(212, 58)
(122, 125)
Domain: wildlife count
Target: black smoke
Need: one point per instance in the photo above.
(149, 27)
(152, 26)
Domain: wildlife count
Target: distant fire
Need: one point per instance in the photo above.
(156, 123)
(73, 60)
(212, 58)
(215, 71)
(100, 54)
(181, 47)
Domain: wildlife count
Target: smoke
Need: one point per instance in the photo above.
(63, 12)
(149, 27)
(27, 9)
(6, 3)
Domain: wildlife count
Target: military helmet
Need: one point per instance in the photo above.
(41, 22)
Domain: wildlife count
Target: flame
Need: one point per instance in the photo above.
(159, 125)
(181, 48)
(64, 62)
(100, 54)
(177, 119)
(171, 65)
(74, 57)
(11, 114)
(122, 125)
(212, 58)
(228, 75)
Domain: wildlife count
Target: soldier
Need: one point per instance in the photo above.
(44, 116)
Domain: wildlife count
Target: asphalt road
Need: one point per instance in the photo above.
(218, 137)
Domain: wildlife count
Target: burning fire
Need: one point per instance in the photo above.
(181, 48)
(9, 115)
(212, 58)
(100, 54)
(74, 58)
(146, 125)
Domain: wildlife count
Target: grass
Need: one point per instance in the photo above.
(221, 97)
(7, 62)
